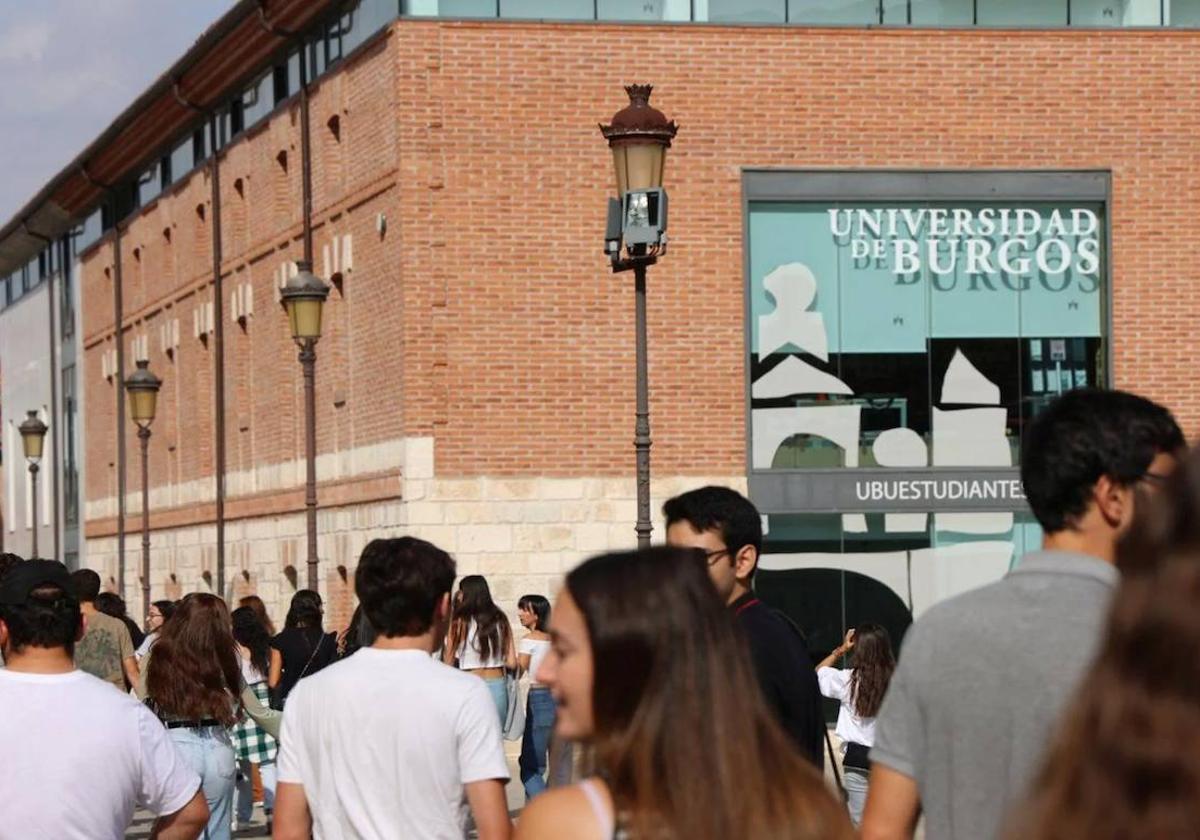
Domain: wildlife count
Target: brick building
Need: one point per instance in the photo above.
(858, 312)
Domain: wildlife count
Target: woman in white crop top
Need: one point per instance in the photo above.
(534, 614)
(860, 691)
(481, 639)
(648, 670)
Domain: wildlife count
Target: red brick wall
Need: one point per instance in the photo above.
(486, 315)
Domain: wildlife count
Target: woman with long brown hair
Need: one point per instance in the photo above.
(648, 670)
(480, 640)
(193, 681)
(860, 690)
(1127, 761)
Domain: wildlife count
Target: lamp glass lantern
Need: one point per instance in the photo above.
(33, 436)
(304, 297)
(639, 137)
(142, 387)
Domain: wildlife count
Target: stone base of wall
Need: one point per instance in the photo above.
(523, 534)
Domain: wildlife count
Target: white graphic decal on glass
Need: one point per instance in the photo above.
(793, 288)
(965, 385)
(796, 376)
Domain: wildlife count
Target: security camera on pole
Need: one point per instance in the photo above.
(635, 238)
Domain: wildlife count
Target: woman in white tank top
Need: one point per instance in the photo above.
(648, 670)
(481, 639)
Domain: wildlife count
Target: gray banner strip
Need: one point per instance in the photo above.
(874, 490)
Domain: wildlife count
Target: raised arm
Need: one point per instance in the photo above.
(838, 652)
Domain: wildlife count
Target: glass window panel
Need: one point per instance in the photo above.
(1116, 12)
(182, 159)
(833, 11)
(1022, 12)
(258, 99)
(895, 12)
(367, 18)
(293, 72)
(560, 10)
(943, 12)
(1182, 12)
(454, 8)
(149, 185)
(747, 11)
(632, 9)
(88, 232)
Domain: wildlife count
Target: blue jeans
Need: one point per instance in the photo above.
(244, 796)
(499, 696)
(856, 793)
(535, 743)
(209, 752)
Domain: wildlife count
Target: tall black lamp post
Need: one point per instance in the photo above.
(33, 438)
(304, 296)
(142, 387)
(635, 238)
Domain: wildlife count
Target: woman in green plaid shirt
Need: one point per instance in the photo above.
(251, 744)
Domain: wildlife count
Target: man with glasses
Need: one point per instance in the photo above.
(984, 676)
(728, 528)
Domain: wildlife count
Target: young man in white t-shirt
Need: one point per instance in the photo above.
(78, 757)
(390, 742)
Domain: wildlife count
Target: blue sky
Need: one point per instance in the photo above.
(69, 67)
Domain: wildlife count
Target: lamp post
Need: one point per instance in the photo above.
(142, 387)
(635, 238)
(304, 296)
(33, 436)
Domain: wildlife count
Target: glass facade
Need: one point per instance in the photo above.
(897, 347)
(1017, 13)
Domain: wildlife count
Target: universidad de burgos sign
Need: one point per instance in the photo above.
(987, 245)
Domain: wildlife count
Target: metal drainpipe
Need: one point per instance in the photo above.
(119, 316)
(219, 351)
(56, 422)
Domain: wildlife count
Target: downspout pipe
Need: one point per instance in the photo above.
(218, 350)
(118, 322)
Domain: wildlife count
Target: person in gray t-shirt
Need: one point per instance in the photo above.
(983, 677)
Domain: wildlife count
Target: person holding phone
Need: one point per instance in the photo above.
(860, 690)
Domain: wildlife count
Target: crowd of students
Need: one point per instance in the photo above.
(1061, 701)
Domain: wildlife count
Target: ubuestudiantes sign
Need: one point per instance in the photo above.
(1009, 242)
(887, 490)
(938, 490)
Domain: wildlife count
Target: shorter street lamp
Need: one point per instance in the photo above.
(142, 387)
(304, 296)
(33, 437)
(639, 137)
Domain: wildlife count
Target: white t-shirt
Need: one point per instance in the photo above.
(835, 683)
(250, 674)
(537, 650)
(144, 647)
(469, 657)
(383, 743)
(78, 757)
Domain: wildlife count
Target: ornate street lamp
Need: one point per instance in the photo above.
(33, 438)
(304, 296)
(635, 238)
(142, 387)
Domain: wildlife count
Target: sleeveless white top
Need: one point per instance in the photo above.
(469, 658)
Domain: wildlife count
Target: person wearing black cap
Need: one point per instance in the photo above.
(78, 757)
